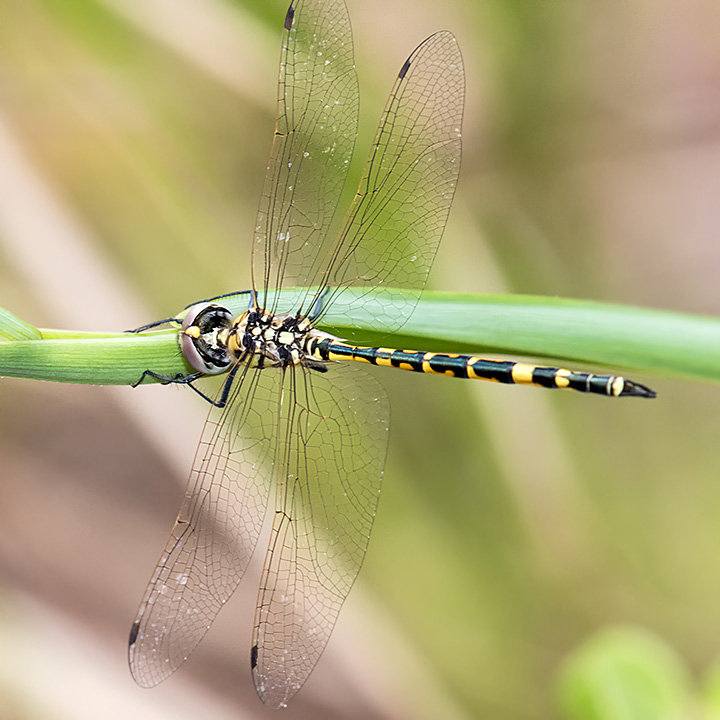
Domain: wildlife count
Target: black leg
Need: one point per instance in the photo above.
(179, 379)
(174, 320)
(221, 297)
(157, 323)
(186, 380)
(225, 392)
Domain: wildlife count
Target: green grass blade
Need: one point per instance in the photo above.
(109, 360)
(13, 328)
(570, 331)
(85, 357)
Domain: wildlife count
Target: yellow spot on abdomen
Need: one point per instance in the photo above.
(522, 373)
(471, 370)
(426, 362)
(562, 378)
(617, 386)
(382, 357)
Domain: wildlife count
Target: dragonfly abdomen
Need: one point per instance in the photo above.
(474, 367)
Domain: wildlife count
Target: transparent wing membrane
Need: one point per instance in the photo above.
(398, 216)
(317, 431)
(216, 531)
(333, 438)
(316, 125)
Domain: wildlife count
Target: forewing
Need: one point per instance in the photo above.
(216, 530)
(398, 215)
(316, 125)
(331, 451)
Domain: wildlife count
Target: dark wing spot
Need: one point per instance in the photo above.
(289, 17)
(404, 69)
(134, 632)
(253, 657)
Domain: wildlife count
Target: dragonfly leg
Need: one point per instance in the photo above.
(157, 323)
(175, 320)
(225, 392)
(235, 293)
(180, 379)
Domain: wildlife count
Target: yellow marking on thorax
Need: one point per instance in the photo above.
(232, 343)
(522, 374)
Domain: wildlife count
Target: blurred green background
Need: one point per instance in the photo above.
(514, 523)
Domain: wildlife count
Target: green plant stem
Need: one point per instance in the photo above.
(570, 331)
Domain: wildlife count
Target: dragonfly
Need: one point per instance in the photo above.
(300, 424)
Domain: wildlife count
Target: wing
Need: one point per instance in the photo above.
(216, 530)
(316, 125)
(398, 215)
(331, 451)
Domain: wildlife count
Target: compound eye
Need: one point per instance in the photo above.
(207, 314)
(194, 357)
(199, 340)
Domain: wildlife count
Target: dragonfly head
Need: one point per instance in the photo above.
(204, 337)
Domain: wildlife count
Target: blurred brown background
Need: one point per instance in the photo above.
(513, 523)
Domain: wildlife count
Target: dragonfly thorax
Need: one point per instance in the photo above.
(262, 336)
(211, 339)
